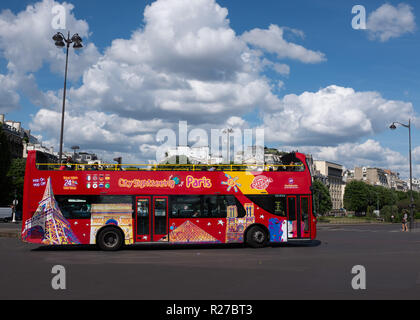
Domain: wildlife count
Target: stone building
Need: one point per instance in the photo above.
(331, 174)
(17, 136)
(372, 176)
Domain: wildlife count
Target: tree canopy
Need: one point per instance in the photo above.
(359, 196)
(356, 196)
(16, 177)
(5, 161)
(12, 173)
(322, 198)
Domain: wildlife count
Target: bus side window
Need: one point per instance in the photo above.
(214, 206)
(143, 207)
(300, 166)
(265, 202)
(210, 206)
(185, 206)
(75, 207)
(292, 208)
(274, 204)
(280, 206)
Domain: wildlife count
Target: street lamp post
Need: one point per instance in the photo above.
(74, 148)
(60, 42)
(228, 131)
(393, 127)
(15, 203)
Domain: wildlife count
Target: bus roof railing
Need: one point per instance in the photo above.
(171, 167)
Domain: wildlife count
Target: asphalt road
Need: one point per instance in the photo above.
(318, 271)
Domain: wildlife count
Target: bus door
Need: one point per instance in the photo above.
(305, 218)
(160, 219)
(298, 209)
(151, 218)
(292, 231)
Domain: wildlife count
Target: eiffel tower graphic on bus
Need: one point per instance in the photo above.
(48, 225)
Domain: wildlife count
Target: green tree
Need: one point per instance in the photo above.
(5, 160)
(387, 212)
(356, 196)
(380, 196)
(369, 211)
(401, 195)
(405, 204)
(390, 197)
(322, 198)
(16, 176)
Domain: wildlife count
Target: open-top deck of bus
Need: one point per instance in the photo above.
(169, 203)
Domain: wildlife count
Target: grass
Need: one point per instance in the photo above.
(348, 220)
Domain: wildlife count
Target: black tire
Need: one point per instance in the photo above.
(256, 237)
(110, 239)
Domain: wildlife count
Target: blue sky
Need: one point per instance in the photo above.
(334, 98)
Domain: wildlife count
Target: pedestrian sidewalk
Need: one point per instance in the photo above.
(350, 223)
(10, 230)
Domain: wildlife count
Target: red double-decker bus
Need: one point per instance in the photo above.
(117, 205)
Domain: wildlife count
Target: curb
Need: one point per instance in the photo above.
(354, 223)
(10, 234)
(347, 225)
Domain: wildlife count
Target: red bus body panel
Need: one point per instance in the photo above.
(166, 183)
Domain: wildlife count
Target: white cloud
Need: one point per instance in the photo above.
(391, 22)
(97, 130)
(282, 69)
(192, 40)
(369, 153)
(26, 44)
(416, 154)
(180, 65)
(416, 161)
(26, 40)
(235, 122)
(185, 63)
(9, 99)
(331, 116)
(12, 85)
(272, 40)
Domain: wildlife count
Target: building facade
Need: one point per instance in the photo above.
(372, 176)
(416, 184)
(380, 177)
(331, 174)
(49, 155)
(17, 136)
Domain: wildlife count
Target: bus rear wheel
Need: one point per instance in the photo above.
(110, 239)
(256, 237)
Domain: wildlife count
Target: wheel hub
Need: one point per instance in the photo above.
(259, 236)
(110, 239)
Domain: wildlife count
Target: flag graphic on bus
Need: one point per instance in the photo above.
(48, 225)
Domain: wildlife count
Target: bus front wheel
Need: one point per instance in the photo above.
(256, 237)
(110, 239)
